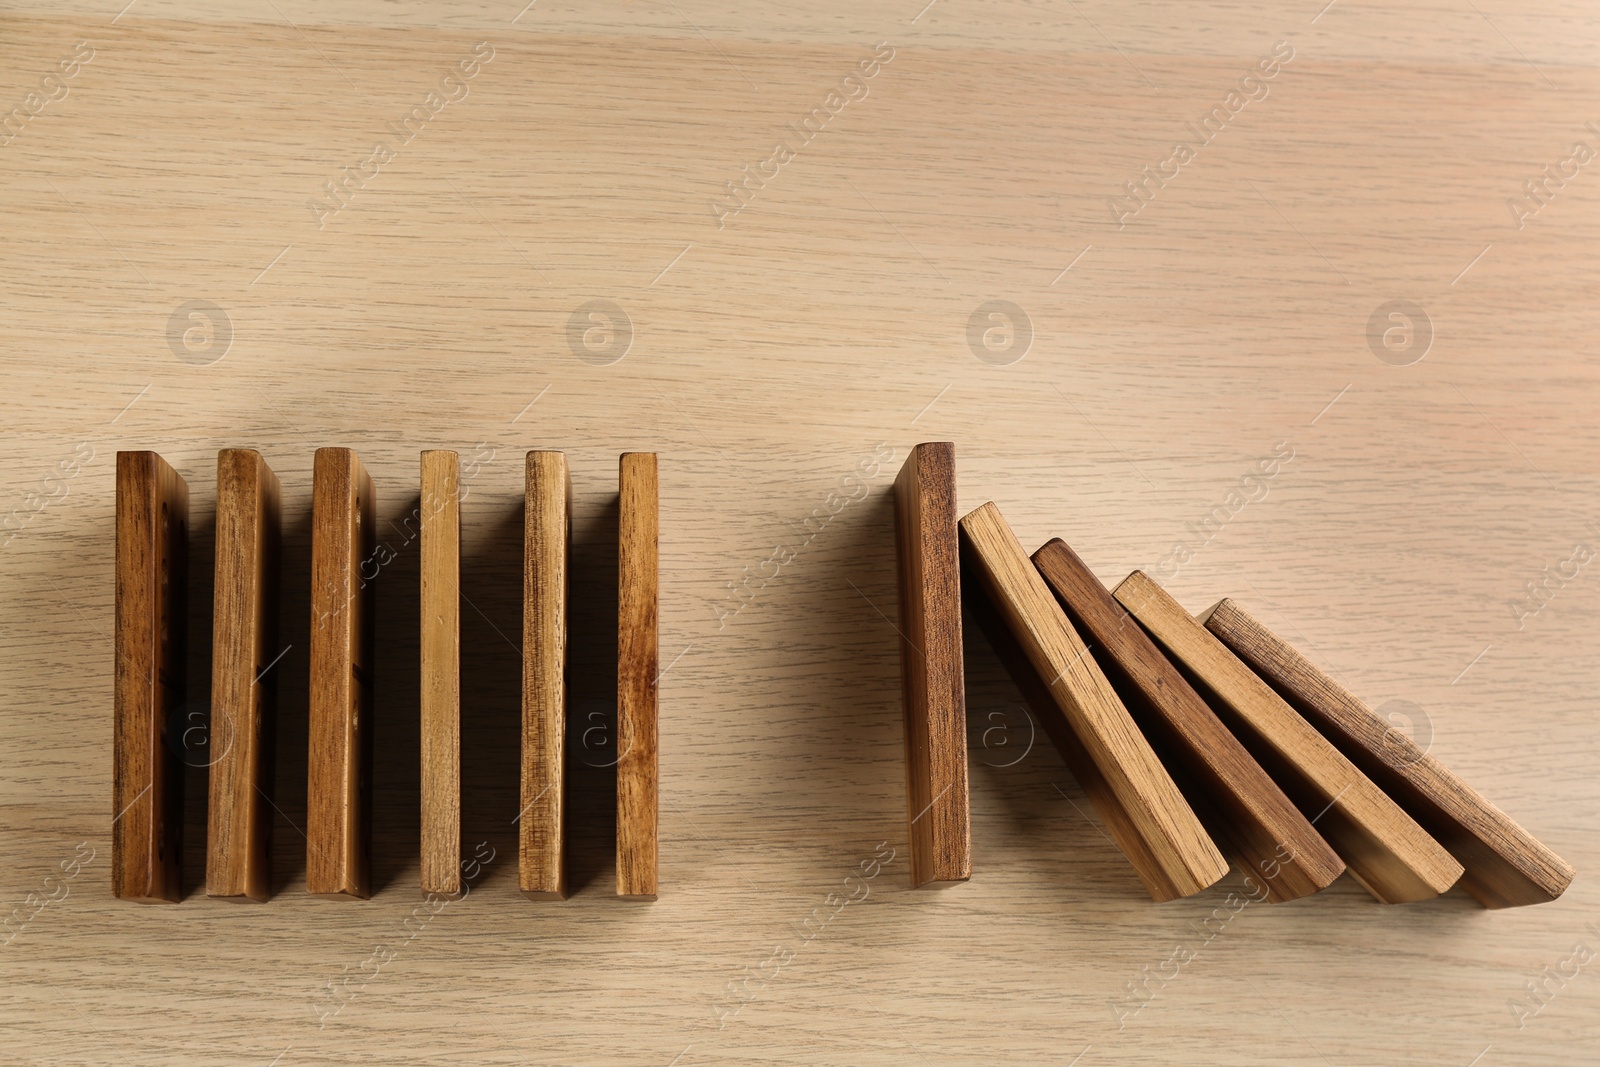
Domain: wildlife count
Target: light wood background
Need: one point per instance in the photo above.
(769, 358)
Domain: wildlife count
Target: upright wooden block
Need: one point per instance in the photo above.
(1387, 852)
(339, 765)
(546, 541)
(1146, 814)
(637, 670)
(147, 776)
(1238, 800)
(440, 646)
(1505, 865)
(244, 645)
(933, 690)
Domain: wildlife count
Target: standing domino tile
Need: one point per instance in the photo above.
(244, 649)
(933, 688)
(339, 764)
(638, 665)
(546, 545)
(147, 776)
(440, 671)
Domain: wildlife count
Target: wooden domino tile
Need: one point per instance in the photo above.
(440, 671)
(339, 764)
(1147, 816)
(547, 539)
(1238, 800)
(244, 649)
(1505, 865)
(149, 684)
(932, 683)
(638, 666)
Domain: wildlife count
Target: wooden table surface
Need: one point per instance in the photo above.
(217, 232)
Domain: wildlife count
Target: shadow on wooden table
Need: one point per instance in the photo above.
(291, 676)
(194, 746)
(591, 824)
(395, 821)
(491, 681)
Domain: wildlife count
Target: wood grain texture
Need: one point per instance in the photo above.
(440, 672)
(546, 546)
(1505, 866)
(339, 767)
(932, 684)
(1237, 800)
(151, 608)
(638, 667)
(828, 316)
(1149, 818)
(1383, 847)
(244, 687)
